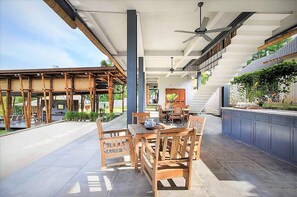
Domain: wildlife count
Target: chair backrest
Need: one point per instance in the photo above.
(140, 116)
(196, 122)
(160, 109)
(99, 128)
(178, 110)
(173, 144)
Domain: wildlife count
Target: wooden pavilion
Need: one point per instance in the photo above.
(43, 84)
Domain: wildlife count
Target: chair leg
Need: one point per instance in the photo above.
(155, 187)
(188, 181)
(142, 160)
(131, 154)
(103, 162)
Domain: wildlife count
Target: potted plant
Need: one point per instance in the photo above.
(171, 98)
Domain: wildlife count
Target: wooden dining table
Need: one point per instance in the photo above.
(138, 131)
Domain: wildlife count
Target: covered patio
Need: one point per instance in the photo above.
(147, 44)
(227, 167)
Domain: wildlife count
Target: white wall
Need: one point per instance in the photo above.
(213, 105)
(174, 82)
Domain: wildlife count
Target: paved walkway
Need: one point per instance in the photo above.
(227, 168)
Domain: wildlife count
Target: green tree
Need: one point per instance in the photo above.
(270, 49)
(106, 63)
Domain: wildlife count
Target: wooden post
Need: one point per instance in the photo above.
(123, 98)
(92, 88)
(13, 104)
(82, 103)
(110, 92)
(38, 110)
(3, 110)
(94, 94)
(67, 93)
(8, 104)
(50, 101)
(44, 97)
(25, 108)
(29, 107)
(71, 94)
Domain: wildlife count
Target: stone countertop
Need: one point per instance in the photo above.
(266, 111)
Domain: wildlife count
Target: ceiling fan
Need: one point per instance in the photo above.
(201, 31)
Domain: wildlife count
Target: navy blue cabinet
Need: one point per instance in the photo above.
(262, 135)
(246, 130)
(273, 133)
(281, 140)
(226, 126)
(294, 143)
(235, 127)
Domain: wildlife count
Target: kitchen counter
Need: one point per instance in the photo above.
(274, 131)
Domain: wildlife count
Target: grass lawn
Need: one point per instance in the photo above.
(3, 132)
(280, 106)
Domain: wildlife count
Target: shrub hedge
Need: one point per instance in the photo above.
(92, 116)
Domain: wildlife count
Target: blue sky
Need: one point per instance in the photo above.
(32, 35)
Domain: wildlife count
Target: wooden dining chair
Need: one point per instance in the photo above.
(177, 114)
(197, 122)
(140, 117)
(162, 115)
(168, 157)
(113, 144)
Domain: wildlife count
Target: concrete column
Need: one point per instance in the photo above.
(198, 79)
(225, 96)
(141, 85)
(131, 64)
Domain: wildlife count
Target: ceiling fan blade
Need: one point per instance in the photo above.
(187, 40)
(187, 32)
(206, 37)
(219, 29)
(204, 23)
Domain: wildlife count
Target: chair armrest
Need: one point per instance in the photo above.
(147, 146)
(116, 131)
(126, 137)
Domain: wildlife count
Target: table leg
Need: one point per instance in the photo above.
(136, 153)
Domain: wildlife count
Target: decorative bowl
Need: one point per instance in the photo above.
(150, 124)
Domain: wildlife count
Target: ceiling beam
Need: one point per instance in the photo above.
(99, 32)
(162, 54)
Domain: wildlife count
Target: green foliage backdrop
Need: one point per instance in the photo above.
(269, 82)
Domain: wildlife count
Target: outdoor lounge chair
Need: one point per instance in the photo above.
(114, 144)
(197, 122)
(168, 156)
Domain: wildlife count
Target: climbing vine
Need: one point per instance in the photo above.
(269, 82)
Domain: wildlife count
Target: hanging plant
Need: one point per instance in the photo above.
(269, 82)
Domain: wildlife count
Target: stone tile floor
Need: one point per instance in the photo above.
(227, 168)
